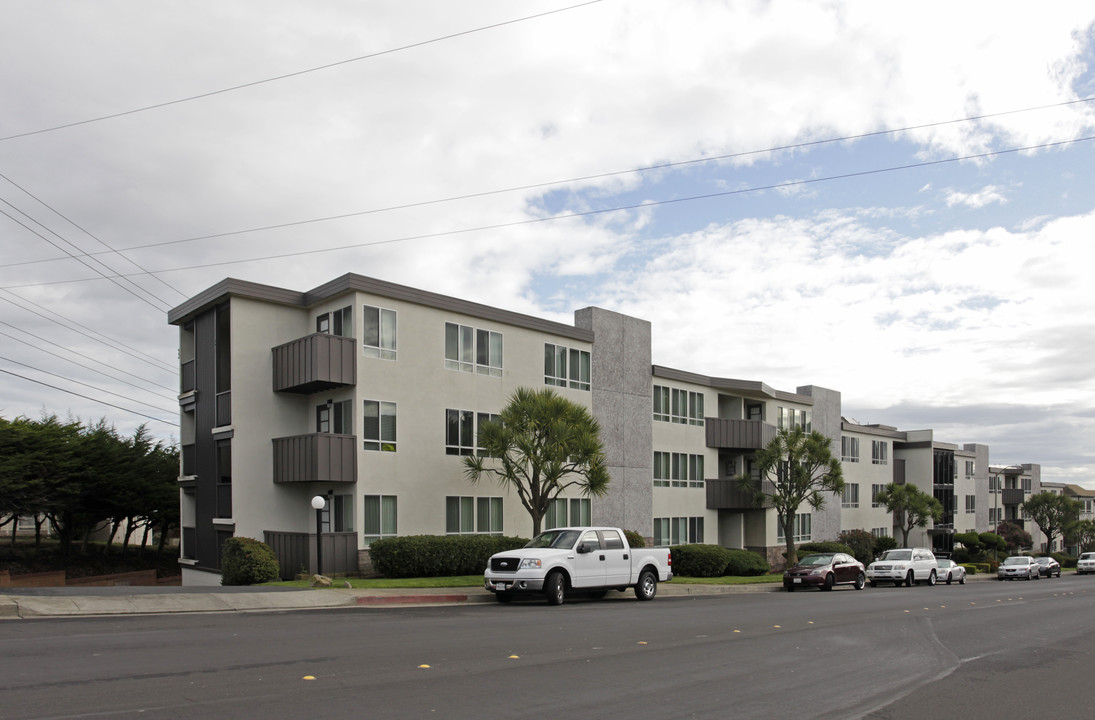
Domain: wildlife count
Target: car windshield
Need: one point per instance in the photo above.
(816, 560)
(554, 539)
(944, 563)
(1088, 556)
(1015, 560)
(897, 555)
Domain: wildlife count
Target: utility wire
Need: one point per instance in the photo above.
(584, 178)
(87, 232)
(85, 397)
(50, 352)
(78, 382)
(297, 73)
(90, 334)
(588, 213)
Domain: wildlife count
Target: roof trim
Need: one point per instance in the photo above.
(753, 388)
(352, 282)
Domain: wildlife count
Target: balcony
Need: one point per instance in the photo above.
(1012, 496)
(730, 495)
(319, 457)
(315, 363)
(727, 434)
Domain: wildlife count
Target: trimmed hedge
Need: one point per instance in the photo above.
(438, 555)
(700, 560)
(745, 563)
(245, 561)
(809, 548)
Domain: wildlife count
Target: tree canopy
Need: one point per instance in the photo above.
(541, 445)
(1052, 513)
(911, 507)
(85, 477)
(801, 469)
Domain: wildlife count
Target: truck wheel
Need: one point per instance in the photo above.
(503, 597)
(555, 588)
(647, 587)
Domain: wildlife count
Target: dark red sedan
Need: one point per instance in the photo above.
(824, 570)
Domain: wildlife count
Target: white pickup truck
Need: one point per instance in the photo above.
(588, 560)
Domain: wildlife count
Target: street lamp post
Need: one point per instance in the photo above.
(318, 502)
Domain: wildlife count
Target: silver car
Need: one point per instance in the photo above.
(1086, 563)
(903, 566)
(1018, 566)
(950, 571)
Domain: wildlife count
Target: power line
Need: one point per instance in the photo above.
(297, 73)
(85, 397)
(78, 382)
(588, 213)
(584, 178)
(85, 357)
(94, 335)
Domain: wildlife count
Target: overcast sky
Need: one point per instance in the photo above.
(893, 200)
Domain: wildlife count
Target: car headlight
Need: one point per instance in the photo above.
(530, 563)
(817, 571)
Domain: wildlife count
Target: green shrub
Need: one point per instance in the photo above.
(700, 560)
(634, 539)
(823, 547)
(884, 543)
(961, 557)
(971, 541)
(992, 540)
(972, 568)
(861, 542)
(437, 555)
(745, 563)
(245, 561)
(1066, 560)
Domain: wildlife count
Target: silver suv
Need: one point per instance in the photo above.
(904, 566)
(1086, 563)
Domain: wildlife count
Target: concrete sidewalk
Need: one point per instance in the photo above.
(134, 601)
(59, 602)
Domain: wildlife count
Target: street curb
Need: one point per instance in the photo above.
(414, 599)
(8, 608)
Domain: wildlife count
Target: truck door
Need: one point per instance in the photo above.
(589, 561)
(617, 559)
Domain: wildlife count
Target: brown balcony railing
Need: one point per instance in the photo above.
(730, 495)
(315, 363)
(729, 434)
(319, 457)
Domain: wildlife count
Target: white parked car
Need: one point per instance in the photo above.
(950, 571)
(904, 566)
(1086, 563)
(1018, 566)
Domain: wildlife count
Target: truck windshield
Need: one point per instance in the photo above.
(554, 539)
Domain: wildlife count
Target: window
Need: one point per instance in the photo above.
(754, 411)
(378, 426)
(556, 359)
(790, 418)
(459, 432)
(378, 335)
(488, 353)
(679, 406)
(339, 322)
(380, 513)
(677, 531)
(969, 468)
(488, 515)
(335, 417)
(800, 530)
(342, 513)
(875, 490)
(481, 418)
(850, 497)
(994, 516)
(579, 508)
(678, 470)
(849, 449)
(224, 462)
(880, 452)
(994, 483)
(880, 532)
(461, 512)
(467, 348)
(971, 503)
(1026, 485)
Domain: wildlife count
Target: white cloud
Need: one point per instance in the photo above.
(985, 196)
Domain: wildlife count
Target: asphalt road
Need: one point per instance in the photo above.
(976, 651)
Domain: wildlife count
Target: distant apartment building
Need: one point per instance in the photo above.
(366, 394)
